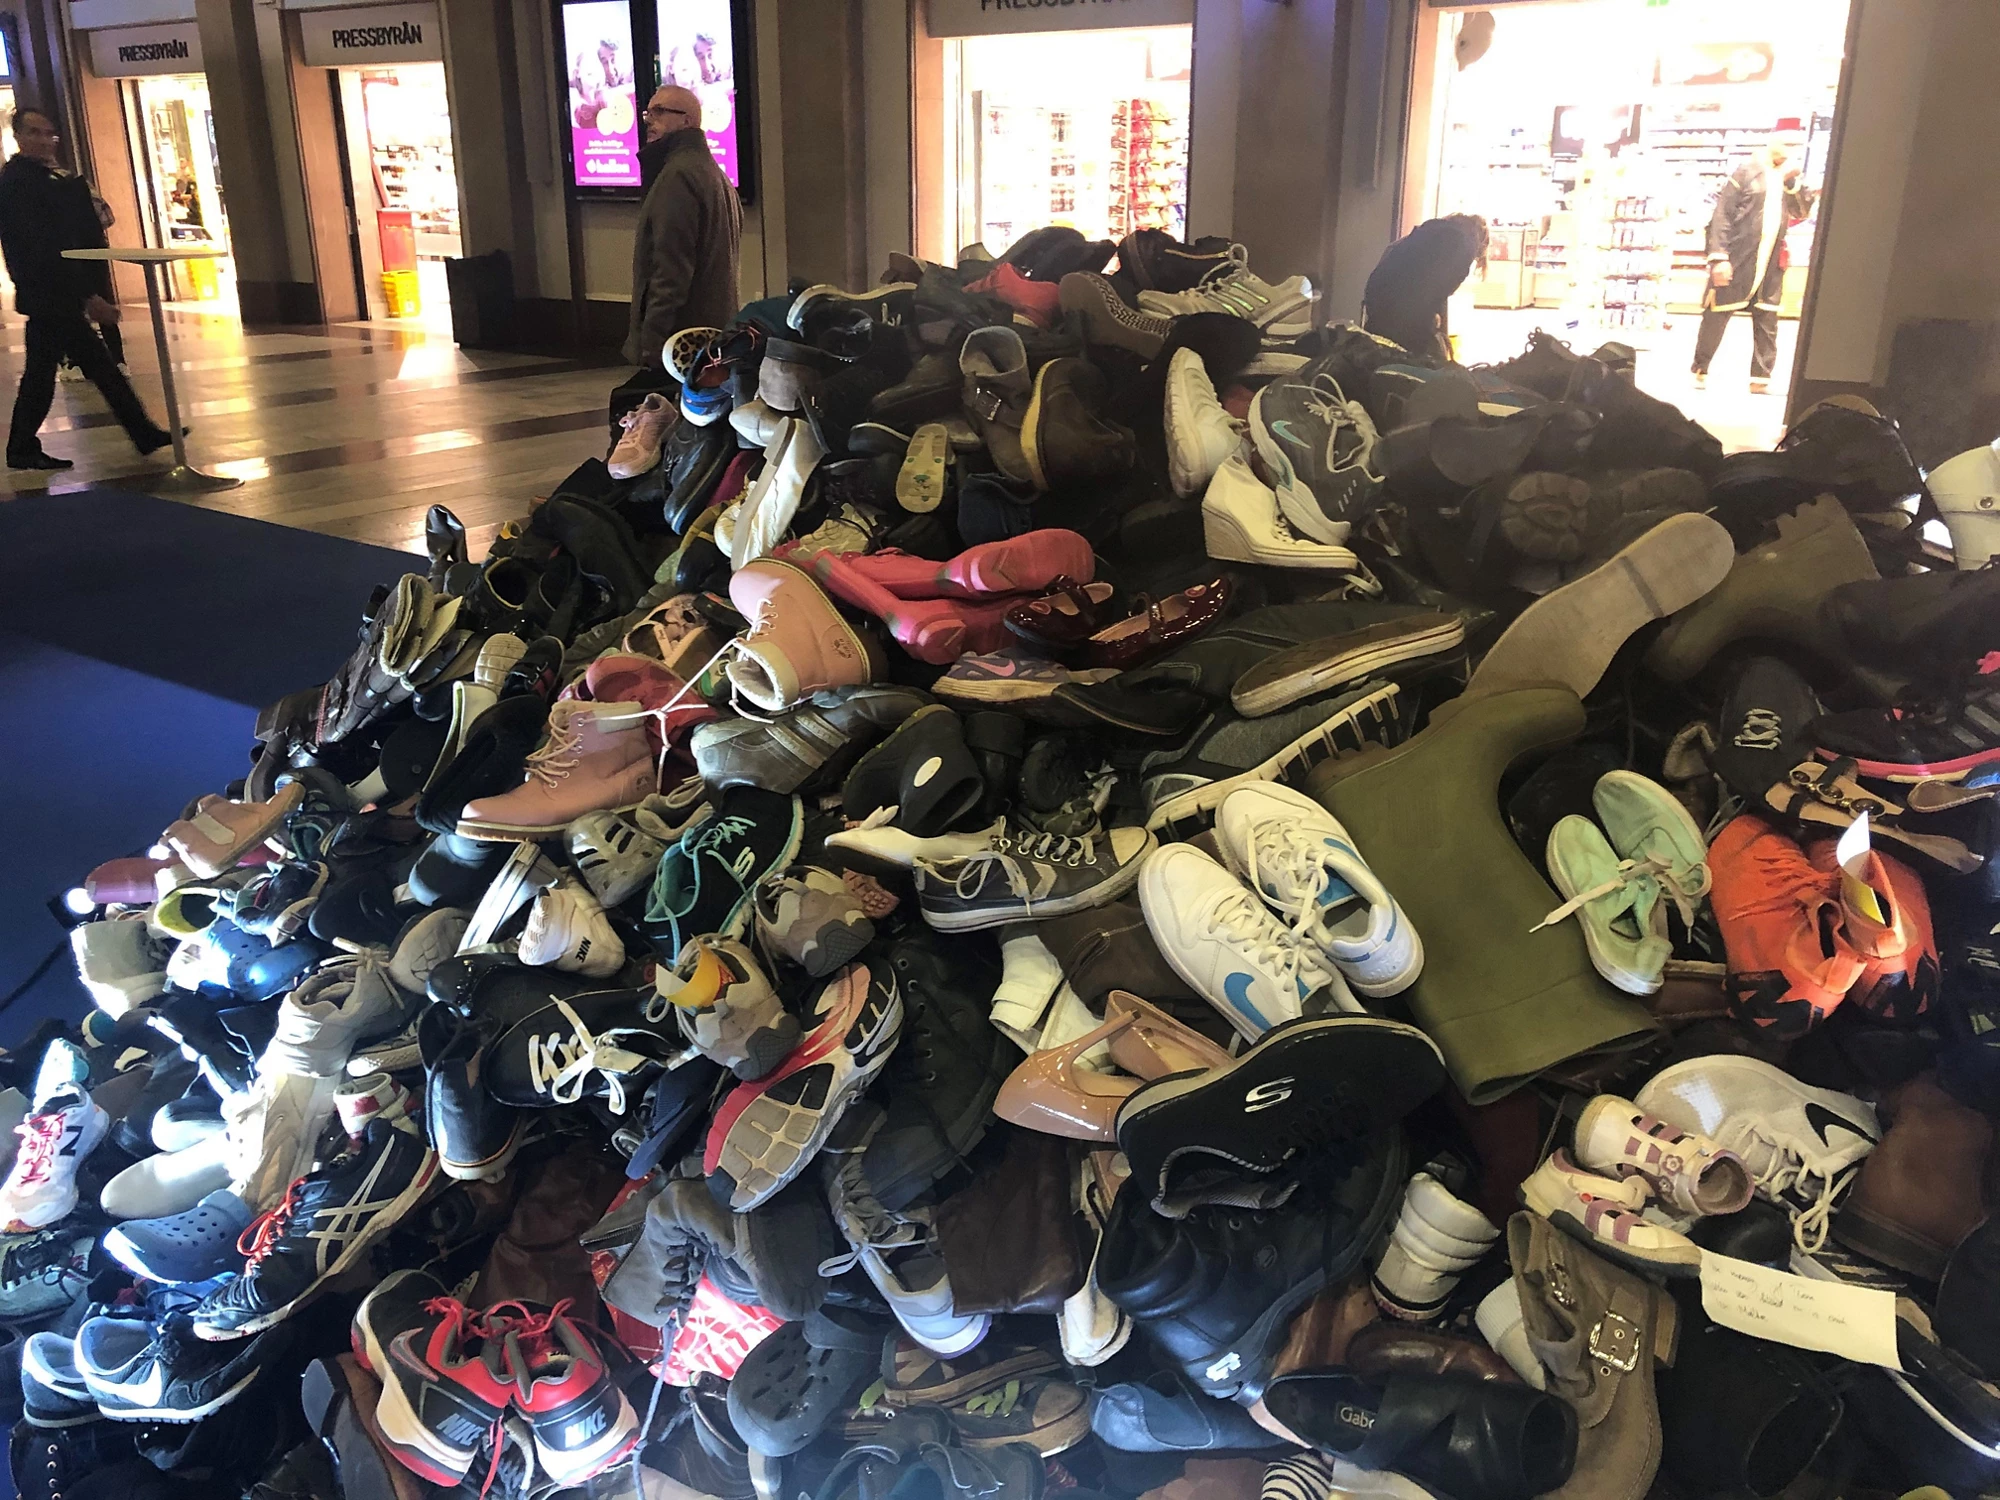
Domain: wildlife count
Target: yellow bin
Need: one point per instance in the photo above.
(399, 290)
(202, 280)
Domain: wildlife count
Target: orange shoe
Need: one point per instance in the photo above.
(1888, 922)
(1783, 928)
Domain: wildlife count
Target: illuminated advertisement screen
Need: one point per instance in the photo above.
(697, 50)
(604, 121)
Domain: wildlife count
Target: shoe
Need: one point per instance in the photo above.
(1201, 436)
(55, 1140)
(1966, 490)
(116, 963)
(1603, 1212)
(443, 1385)
(325, 1223)
(997, 390)
(1281, 312)
(1252, 1117)
(1791, 961)
(581, 1043)
(1064, 441)
(1242, 522)
(169, 1182)
(936, 631)
(1571, 634)
(1688, 1172)
(197, 1245)
(818, 738)
(923, 773)
(596, 758)
(1160, 626)
(1185, 788)
(706, 881)
(1802, 1145)
(1010, 677)
(221, 832)
(920, 482)
(1320, 666)
(1026, 564)
(1108, 318)
(764, 1133)
(638, 447)
(1622, 909)
(140, 1371)
(39, 460)
(562, 1385)
(568, 930)
(727, 1008)
(1774, 591)
(1913, 1201)
(1049, 1092)
(1026, 875)
(474, 1135)
(52, 1390)
(773, 499)
(1762, 728)
(42, 1273)
(812, 917)
(617, 853)
(1295, 854)
(1947, 737)
(797, 643)
(1316, 445)
(1437, 1239)
(886, 849)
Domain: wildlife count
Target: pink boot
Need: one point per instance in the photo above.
(597, 757)
(1025, 564)
(627, 677)
(938, 631)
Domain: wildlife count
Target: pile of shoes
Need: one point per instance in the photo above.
(1054, 881)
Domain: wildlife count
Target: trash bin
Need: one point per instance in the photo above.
(482, 300)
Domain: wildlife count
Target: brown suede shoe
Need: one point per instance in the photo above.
(1918, 1193)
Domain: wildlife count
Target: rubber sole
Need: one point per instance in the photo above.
(1226, 542)
(1319, 666)
(1943, 770)
(331, 1409)
(920, 482)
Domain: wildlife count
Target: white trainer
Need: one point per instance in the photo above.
(1281, 311)
(1200, 433)
(1437, 1239)
(1240, 523)
(1298, 857)
(568, 930)
(41, 1187)
(615, 856)
(1967, 491)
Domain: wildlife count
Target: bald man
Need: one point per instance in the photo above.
(690, 228)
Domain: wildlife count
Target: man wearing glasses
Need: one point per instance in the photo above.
(690, 228)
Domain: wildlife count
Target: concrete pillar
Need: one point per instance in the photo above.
(823, 171)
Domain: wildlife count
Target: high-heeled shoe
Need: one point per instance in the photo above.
(1050, 1093)
(1155, 1045)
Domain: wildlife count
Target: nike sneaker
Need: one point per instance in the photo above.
(561, 1380)
(1949, 737)
(617, 852)
(55, 1140)
(1316, 443)
(42, 1273)
(568, 930)
(140, 1371)
(443, 1384)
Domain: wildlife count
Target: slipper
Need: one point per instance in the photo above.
(803, 1377)
(920, 485)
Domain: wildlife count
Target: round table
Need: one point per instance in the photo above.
(183, 477)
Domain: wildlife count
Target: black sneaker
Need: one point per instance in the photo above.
(924, 770)
(490, 762)
(1025, 875)
(1950, 735)
(474, 1135)
(1184, 787)
(1544, 367)
(945, 1073)
(1157, 262)
(52, 1390)
(1302, 1087)
(326, 1222)
(139, 1371)
(705, 883)
(1762, 731)
(1064, 785)
(1317, 442)
(604, 1044)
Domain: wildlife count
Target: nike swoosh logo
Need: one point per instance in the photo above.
(403, 1351)
(1237, 988)
(1821, 1119)
(1282, 430)
(998, 668)
(147, 1392)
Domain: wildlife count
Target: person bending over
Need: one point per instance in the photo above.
(1407, 291)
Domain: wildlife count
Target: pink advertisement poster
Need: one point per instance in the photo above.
(698, 52)
(603, 110)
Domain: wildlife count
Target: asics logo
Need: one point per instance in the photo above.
(1277, 1091)
(1761, 730)
(1282, 430)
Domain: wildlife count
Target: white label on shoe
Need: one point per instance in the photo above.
(1854, 1322)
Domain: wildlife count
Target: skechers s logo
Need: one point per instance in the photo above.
(745, 864)
(1277, 1091)
(1761, 730)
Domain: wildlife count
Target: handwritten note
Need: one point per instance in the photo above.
(1855, 1322)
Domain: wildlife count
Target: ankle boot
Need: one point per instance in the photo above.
(1504, 1002)
(1437, 1239)
(1919, 1192)
(1967, 492)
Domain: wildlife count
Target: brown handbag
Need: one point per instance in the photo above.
(1009, 1241)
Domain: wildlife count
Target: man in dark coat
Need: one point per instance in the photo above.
(1406, 293)
(43, 212)
(1746, 259)
(689, 235)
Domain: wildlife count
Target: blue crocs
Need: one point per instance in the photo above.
(193, 1246)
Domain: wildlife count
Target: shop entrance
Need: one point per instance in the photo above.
(1083, 128)
(1594, 137)
(172, 133)
(402, 185)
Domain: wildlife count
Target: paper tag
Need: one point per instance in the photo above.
(1855, 1322)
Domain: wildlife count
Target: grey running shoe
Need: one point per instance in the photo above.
(812, 918)
(617, 852)
(783, 753)
(1026, 875)
(727, 1008)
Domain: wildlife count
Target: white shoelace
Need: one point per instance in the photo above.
(1280, 850)
(1329, 401)
(559, 1066)
(1008, 850)
(1787, 1180)
(1630, 872)
(1241, 921)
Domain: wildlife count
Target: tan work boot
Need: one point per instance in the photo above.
(1918, 1193)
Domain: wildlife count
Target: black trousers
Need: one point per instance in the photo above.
(1763, 340)
(50, 339)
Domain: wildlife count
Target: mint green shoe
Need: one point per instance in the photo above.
(1647, 823)
(1619, 905)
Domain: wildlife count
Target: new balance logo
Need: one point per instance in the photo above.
(1761, 730)
(1277, 1091)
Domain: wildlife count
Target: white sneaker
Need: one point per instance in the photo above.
(1240, 523)
(568, 930)
(116, 962)
(1437, 1239)
(1220, 938)
(1967, 491)
(1296, 854)
(1200, 434)
(756, 424)
(41, 1187)
(1281, 311)
(615, 857)
(426, 943)
(883, 847)
(1029, 979)
(169, 1182)
(1802, 1145)
(772, 500)
(526, 872)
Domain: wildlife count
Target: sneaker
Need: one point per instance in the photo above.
(443, 1387)
(1603, 1212)
(562, 1384)
(476, 1137)
(326, 1222)
(617, 853)
(797, 644)
(185, 1248)
(1108, 318)
(1315, 444)
(427, 942)
(583, 1043)
(706, 882)
(1185, 787)
(1802, 1145)
(1320, 666)
(42, 1273)
(764, 1133)
(1200, 434)
(568, 930)
(1281, 312)
(1295, 854)
(812, 917)
(1621, 908)
(819, 737)
(120, 963)
(1791, 961)
(55, 1140)
(727, 1008)
(638, 447)
(1214, 932)
(879, 847)
(1010, 677)
(1438, 1238)
(596, 757)
(1686, 1170)
(52, 1390)
(1302, 1088)
(1949, 736)
(526, 872)
(139, 1371)
(1026, 875)
(1241, 522)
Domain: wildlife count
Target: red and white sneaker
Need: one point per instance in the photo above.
(41, 1188)
(561, 1381)
(766, 1131)
(443, 1388)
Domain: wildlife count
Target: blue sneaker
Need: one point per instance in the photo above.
(142, 1371)
(194, 1246)
(702, 406)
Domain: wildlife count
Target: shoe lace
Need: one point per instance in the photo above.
(1242, 921)
(261, 1237)
(553, 762)
(41, 1138)
(560, 1066)
(1638, 879)
(1326, 400)
(45, 1258)
(1009, 849)
(1787, 1177)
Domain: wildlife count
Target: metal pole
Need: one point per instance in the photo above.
(174, 423)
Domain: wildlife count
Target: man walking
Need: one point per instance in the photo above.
(1746, 259)
(690, 231)
(43, 212)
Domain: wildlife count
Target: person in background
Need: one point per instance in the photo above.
(1407, 291)
(1746, 258)
(43, 212)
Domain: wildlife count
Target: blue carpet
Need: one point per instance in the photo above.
(138, 638)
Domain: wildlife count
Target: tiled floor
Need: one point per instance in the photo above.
(354, 431)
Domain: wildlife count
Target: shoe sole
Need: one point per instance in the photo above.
(1226, 542)
(504, 897)
(1570, 635)
(1914, 771)
(1117, 884)
(920, 482)
(1193, 811)
(1319, 666)
(494, 1165)
(177, 1413)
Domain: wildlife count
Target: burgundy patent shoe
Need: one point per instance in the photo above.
(1159, 627)
(1064, 618)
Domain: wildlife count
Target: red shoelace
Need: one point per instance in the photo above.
(41, 1137)
(264, 1232)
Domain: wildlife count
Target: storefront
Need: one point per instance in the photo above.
(1594, 136)
(1029, 116)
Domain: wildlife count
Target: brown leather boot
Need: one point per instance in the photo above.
(1921, 1191)
(537, 1257)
